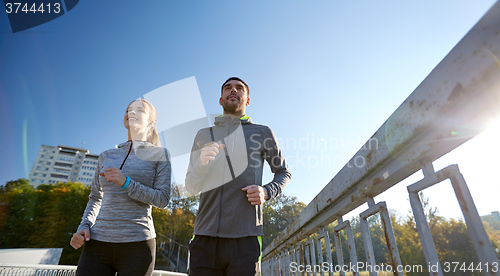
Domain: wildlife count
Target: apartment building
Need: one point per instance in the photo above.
(63, 164)
(495, 215)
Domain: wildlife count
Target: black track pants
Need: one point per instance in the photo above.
(128, 258)
(224, 256)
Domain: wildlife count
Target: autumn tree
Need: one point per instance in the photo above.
(18, 201)
(42, 217)
(177, 221)
(278, 213)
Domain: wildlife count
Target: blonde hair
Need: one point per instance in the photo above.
(152, 136)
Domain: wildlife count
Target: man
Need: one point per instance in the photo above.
(226, 166)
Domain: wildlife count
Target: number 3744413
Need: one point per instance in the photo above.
(33, 8)
(462, 266)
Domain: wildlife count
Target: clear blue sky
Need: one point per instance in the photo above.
(316, 70)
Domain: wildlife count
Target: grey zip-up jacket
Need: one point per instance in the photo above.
(224, 209)
(118, 215)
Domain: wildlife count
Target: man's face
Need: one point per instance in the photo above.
(234, 98)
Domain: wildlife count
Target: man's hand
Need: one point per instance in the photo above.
(257, 195)
(114, 175)
(209, 151)
(80, 238)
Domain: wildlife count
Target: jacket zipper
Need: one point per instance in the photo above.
(222, 186)
(220, 208)
(234, 138)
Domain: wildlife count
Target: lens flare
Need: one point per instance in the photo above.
(496, 59)
(25, 147)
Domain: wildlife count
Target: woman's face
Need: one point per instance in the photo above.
(136, 116)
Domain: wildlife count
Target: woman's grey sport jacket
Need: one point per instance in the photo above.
(224, 209)
(114, 214)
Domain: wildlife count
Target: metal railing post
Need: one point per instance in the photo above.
(338, 248)
(346, 225)
(480, 239)
(367, 240)
(423, 229)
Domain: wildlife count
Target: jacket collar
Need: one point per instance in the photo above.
(137, 144)
(223, 120)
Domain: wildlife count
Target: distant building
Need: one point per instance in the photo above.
(63, 164)
(495, 215)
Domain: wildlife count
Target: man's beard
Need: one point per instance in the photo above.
(231, 108)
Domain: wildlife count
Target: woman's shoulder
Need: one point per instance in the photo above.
(118, 148)
(153, 153)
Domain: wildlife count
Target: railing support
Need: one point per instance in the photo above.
(480, 239)
(390, 240)
(328, 248)
(346, 225)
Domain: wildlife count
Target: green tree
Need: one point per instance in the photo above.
(492, 228)
(278, 213)
(18, 201)
(451, 239)
(377, 236)
(407, 237)
(343, 241)
(177, 221)
(408, 241)
(45, 217)
(59, 212)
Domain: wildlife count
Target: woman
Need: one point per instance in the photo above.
(117, 225)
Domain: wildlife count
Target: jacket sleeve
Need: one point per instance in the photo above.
(94, 203)
(159, 194)
(276, 161)
(196, 172)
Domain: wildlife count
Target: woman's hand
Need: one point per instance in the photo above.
(114, 175)
(80, 238)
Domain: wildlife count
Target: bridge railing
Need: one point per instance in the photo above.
(55, 270)
(177, 254)
(460, 95)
